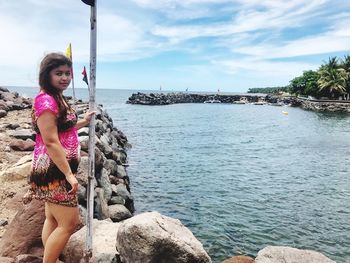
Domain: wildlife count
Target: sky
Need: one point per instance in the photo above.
(199, 45)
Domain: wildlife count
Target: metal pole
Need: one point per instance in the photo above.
(92, 107)
(73, 92)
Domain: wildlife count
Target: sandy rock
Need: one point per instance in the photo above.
(25, 228)
(281, 254)
(152, 237)
(239, 259)
(7, 260)
(18, 171)
(104, 243)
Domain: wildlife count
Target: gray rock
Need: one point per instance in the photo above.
(103, 246)
(116, 200)
(84, 143)
(121, 190)
(3, 113)
(111, 166)
(12, 126)
(83, 131)
(105, 184)
(8, 96)
(82, 195)
(121, 171)
(4, 106)
(152, 237)
(119, 156)
(281, 254)
(104, 139)
(3, 89)
(118, 212)
(24, 134)
(82, 174)
(101, 210)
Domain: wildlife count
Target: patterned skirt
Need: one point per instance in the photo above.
(49, 184)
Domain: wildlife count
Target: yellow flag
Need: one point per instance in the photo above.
(69, 51)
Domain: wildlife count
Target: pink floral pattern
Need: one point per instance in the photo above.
(46, 180)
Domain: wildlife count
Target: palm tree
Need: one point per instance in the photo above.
(332, 78)
(345, 64)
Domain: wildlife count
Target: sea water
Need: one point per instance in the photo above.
(240, 177)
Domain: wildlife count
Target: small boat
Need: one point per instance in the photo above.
(242, 100)
(285, 112)
(261, 101)
(212, 101)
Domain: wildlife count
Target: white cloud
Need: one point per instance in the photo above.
(335, 40)
(269, 69)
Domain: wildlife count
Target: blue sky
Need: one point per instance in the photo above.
(202, 45)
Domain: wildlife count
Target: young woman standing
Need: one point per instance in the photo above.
(56, 154)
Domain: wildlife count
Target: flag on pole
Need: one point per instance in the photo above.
(69, 51)
(70, 56)
(85, 76)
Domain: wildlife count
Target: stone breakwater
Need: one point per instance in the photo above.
(172, 98)
(324, 105)
(118, 236)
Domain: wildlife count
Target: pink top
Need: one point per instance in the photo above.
(68, 138)
(47, 181)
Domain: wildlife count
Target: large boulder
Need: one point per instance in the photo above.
(103, 245)
(23, 235)
(281, 254)
(153, 238)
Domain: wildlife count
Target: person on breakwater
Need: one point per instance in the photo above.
(56, 154)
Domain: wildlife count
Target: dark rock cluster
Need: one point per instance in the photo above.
(12, 101)
(172, 98)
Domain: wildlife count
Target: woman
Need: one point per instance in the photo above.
(56, 154)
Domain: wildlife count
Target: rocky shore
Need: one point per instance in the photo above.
(173, 98)
(118, 234)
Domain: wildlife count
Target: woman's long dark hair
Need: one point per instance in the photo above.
(50, 62)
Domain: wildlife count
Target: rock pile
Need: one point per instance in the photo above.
(12, 101)
(172, 98)
(325, 106)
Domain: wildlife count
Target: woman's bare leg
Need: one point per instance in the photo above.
(67, 219)
(50, 225)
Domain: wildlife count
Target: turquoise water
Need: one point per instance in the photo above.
(241, 177)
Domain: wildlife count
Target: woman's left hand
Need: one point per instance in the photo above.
(88, 116)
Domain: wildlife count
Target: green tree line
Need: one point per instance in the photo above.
(331, 80)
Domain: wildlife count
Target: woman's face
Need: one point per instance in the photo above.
(60, 77)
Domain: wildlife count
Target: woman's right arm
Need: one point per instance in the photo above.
(48, 130)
